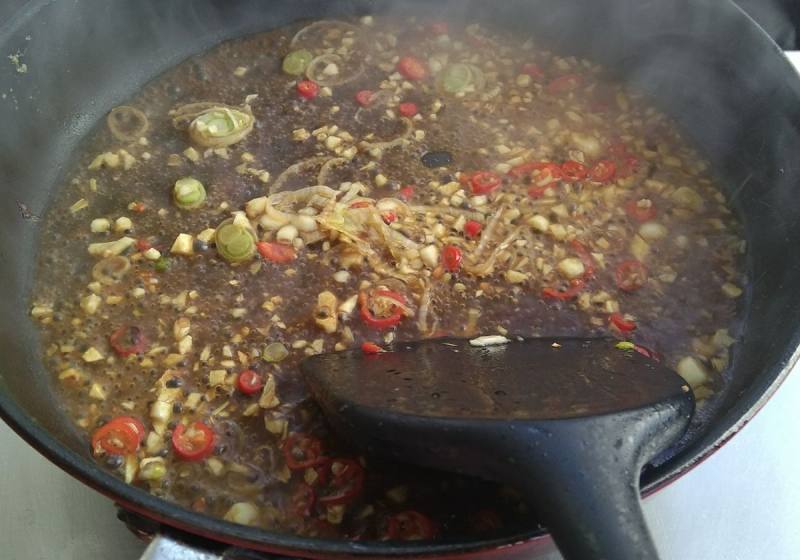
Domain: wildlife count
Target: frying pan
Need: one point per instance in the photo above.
(704, 62)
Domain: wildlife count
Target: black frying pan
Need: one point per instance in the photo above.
(704, 62)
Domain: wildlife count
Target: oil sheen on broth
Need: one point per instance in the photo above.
(339, 184)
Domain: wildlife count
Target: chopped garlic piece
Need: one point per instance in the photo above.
(571, 268)
(243, 513)
(731, 290)
(693, 371)
(489, 340)
(100, 225)
(92, 355)
(111, 248)
(90, 303)
(97, 392)
(183, 245)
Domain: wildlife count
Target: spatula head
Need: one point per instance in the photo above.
(568, 422)
(535, 378)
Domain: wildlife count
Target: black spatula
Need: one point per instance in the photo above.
(569, 422)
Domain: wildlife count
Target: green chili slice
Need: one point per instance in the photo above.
(162, 264)
(456, 78)
(295, 62)
(188, 193)
(235, 243)
(220, 126)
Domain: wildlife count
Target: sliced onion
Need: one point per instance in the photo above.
(386, 144)
(478, 78)
(424, 307)
(296, 169)
(306, 196)
(448, 211)
(393, 205)
(325, 169)
(127, 123)
(377, 102)
(486, 266)
(111, 270)
(354, 193)
(390, 302)
(489, 233)
(315, 70)
(320, 29)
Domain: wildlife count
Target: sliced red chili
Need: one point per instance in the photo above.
(364, 97)
(410, 526)
(406, 193)
(603, 171)
(630, 275)
(134, 423)
(322, 470)
(143, 245)
(586, 257)
(302, 500)
(408, 109)
(451, 258)
(539, 192)
(640, 211)
(193, 442)
(302, 451)
(276, 252)
(128, 340)
(120, 436)
(575, 288)
(249, 382)
(393, 314)
(484, 182)
(472, 228)
(564, 84)
(371, 348)
(574, 170)
(652, 354)
(543, 173)
(412, 68)
(389, 217)
(532, 69)
(308, 89)
(346, 484)
(619, 321)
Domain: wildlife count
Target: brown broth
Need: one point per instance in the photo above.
(681, 312)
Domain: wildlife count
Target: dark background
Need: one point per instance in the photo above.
(780, 18)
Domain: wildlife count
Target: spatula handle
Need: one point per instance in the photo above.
(583, 476)
(601, 520)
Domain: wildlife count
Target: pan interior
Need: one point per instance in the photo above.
(738, 102)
